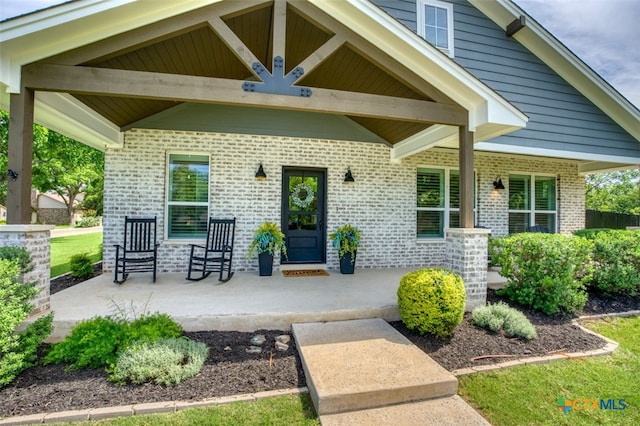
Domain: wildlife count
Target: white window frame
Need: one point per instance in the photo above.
(183, 203)
(532, 199)
(447, 201)
(420, 21)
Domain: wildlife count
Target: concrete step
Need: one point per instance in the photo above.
(364, 364)
(447, 411)
(495, 281)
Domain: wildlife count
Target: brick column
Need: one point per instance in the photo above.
(36, 239)
(466, 254)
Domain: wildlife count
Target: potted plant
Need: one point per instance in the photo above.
(346, 239)
(268, 239)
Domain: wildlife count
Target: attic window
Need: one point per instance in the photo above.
(435, 24)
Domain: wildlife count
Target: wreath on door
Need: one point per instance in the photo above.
(302, 195)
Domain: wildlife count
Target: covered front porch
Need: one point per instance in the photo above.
(247, 302)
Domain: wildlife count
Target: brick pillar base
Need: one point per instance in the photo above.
(36, 239)
(466, 254)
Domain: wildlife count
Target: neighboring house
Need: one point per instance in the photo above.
(3, 213)
(51, 209)
(189, 98)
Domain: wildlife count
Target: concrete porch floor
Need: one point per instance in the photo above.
(247, 302)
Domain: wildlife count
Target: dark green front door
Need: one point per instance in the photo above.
(303, 214)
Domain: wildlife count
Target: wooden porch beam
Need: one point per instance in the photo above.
(182, 88)
(234, 43)
(20, 155)
(149, 34)
(279, 28)
(322, 53)
(465, 151)
(371, 52)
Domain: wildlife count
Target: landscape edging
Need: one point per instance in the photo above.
(607, 349)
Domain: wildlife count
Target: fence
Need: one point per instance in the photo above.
(596, 219)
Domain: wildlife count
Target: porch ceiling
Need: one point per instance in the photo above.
(221, 43)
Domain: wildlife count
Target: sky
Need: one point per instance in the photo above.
(603, 33)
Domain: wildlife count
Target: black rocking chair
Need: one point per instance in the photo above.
(538, 228)
(139, 252)
(217, 255)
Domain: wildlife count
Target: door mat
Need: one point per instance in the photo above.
(305, 273)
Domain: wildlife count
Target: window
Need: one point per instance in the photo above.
(438, 201)
(532, 201)
(187, 196)
(435, 24)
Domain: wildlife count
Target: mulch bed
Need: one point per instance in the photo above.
(234, 371)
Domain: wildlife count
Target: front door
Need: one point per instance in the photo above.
(303, 214)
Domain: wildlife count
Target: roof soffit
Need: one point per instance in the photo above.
(394, 67)
(193, 47)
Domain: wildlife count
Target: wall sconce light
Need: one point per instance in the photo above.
(497, 184)
(260, 174)
(12, 174)
(348, 177)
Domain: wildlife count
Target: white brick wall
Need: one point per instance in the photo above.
(381, 202)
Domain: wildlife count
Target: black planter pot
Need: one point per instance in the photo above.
(347, 266)
(265, 260)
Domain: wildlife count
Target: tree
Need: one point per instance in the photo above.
(60, 164)
(617, 192)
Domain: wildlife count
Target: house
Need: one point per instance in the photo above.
(446, 114)
(51, 208)
(3, 213)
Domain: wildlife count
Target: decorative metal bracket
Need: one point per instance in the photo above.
(12, 174)
(277, 83)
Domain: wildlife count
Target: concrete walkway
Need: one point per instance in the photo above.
(364, 372)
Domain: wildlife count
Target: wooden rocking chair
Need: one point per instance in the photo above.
(139, 253)
(217, 255)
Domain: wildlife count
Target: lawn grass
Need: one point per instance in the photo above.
(529, 394)
(62, 248)
(281, 410)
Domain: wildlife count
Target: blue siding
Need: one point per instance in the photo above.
(560, 117)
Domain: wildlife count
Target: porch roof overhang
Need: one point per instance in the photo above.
(32, 38)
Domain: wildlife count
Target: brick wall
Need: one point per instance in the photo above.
(381, 202)
(35, 239)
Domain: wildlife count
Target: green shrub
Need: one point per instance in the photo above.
(501, 316)
(545, 271)
(92, 343)
(81, 265)
(591, 233)
(18, 254)
(97, 342)
(616, 256)
(431, 301)
(88, 222)
(152, 327)
(18, 348)
(164, 362)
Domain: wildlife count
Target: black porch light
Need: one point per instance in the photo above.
(348, 177)
(260, 174)
(497, 184)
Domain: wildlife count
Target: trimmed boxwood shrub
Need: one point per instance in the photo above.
(590, 233)
(432, 301)
(81, 265)
(545, 271)
(616, 257)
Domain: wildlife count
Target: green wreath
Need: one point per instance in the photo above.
(297, 200)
